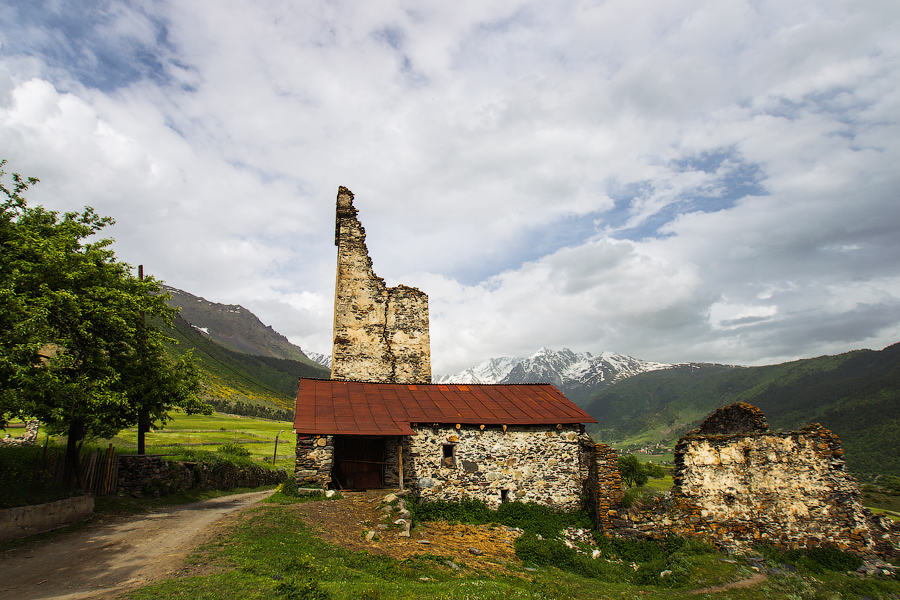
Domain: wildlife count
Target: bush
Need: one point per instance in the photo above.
(672, 571)
(815, 560)
(534, 518)
(233, 449)
(531, 549)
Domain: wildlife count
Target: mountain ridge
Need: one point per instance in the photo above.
(234, 327)
(576, 374)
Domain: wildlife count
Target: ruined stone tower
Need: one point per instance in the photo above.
(380, 333)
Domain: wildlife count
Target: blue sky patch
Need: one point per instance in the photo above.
(80, 39)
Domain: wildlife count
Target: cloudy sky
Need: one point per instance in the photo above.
(706, 180)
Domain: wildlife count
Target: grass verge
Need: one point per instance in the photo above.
(271, 554)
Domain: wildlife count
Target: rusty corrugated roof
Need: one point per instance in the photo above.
(326, 406)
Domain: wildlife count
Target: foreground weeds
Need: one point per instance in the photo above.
(270, 554)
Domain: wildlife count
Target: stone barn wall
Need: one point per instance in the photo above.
(315, 458)
(381, 334)
(529, 464)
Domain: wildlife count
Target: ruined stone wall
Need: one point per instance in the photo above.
(315, 458)
(381, 334)
(533, 464)
(785, 488)
(603, 489)
(737, 489)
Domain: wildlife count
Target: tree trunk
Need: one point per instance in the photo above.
(143, 428)
(72, 469)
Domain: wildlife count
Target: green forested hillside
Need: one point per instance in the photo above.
(244, 383)
(856, 395)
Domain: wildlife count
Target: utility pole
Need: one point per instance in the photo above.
(143, 411)
(275, 454)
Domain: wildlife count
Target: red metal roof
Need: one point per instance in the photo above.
(332, 407)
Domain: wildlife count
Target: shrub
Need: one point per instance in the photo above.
(301, 588)
(288, 488)
(816, 560)
(534, 518)
(531, 549)
(233, 449)
(672, 571)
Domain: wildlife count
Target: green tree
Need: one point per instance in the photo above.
(76, 350)
(655, 471)
(632, 471)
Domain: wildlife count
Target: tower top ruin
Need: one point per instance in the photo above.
(381, 334)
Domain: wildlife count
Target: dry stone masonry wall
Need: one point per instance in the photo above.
(786, 488)
(529, 464)
(737, 488)
(315, 458)
(148, 474)
(381, 334)
(28, 439)
(603, 489)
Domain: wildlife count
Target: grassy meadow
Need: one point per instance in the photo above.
(203, 432)
(207, 432)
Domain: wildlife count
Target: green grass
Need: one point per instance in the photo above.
(208, 432)
(271, 554)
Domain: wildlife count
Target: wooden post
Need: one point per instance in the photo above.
(400, 454)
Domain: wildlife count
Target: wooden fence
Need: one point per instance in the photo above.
(99, 470)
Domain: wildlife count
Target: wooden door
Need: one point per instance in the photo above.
(358, 462)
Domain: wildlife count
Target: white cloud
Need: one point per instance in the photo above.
(709, 180)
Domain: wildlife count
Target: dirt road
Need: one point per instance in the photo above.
(112, 556)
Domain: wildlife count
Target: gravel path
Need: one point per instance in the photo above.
(114, 555)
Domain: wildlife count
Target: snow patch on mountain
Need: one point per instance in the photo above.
(576, 374)
(322, 359)
(492, 370)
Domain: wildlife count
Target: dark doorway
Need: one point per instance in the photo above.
(358, 462)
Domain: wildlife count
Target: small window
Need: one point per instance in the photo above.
(504, 495)
(449, 455)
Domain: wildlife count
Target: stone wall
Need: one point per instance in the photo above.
(381, 334)
(27, 439)
(603, 489)
(786, 488)
(737, 488)
(528, 464)
(149, 474)
(315, 458)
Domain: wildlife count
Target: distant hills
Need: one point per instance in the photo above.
(248, 367)
(856, 395)
(234, 327)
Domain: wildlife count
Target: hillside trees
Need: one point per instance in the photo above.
(632, 471)
(78, 349)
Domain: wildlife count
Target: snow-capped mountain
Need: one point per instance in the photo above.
(492, 370)
(576, 374)
(322, 359)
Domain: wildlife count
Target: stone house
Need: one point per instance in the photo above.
(492, 442)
